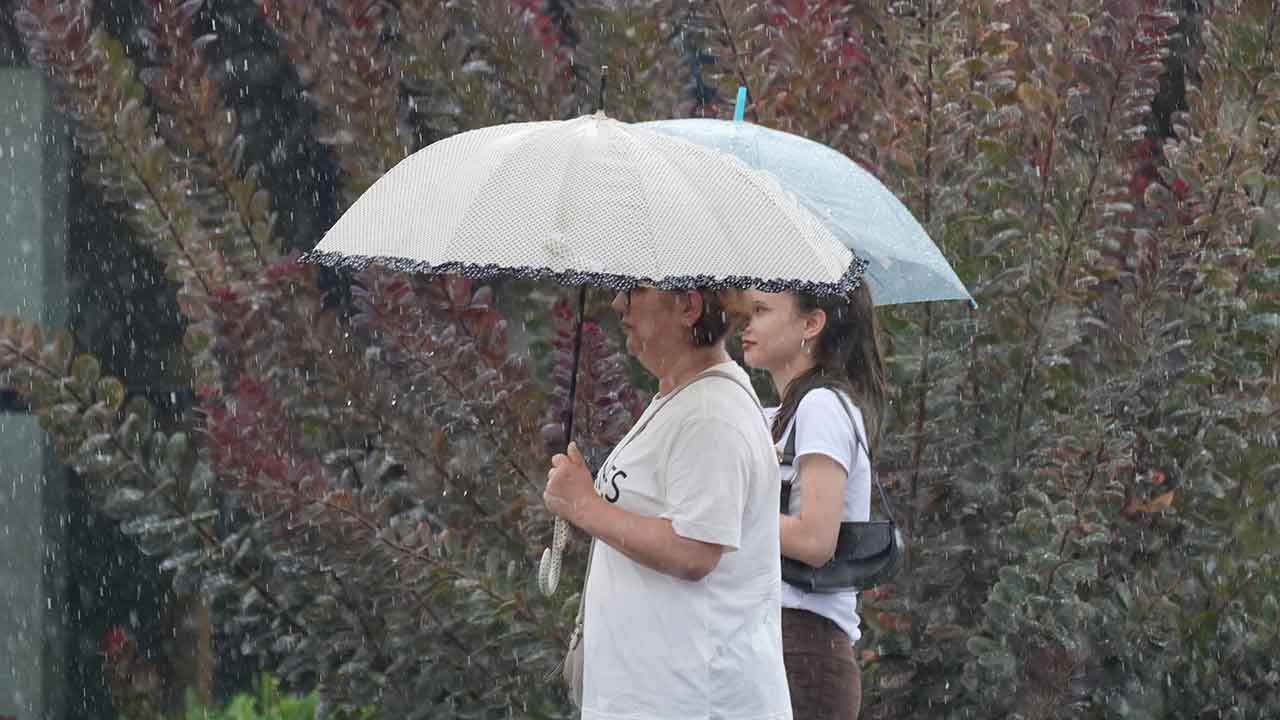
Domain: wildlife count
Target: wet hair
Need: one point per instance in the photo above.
(848, 356)
(723, 311)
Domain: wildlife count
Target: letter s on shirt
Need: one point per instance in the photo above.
(609, 490)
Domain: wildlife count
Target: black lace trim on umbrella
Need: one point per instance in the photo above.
(850, 281)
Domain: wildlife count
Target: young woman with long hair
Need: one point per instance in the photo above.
(825, 357)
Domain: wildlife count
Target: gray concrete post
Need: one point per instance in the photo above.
(33, 222)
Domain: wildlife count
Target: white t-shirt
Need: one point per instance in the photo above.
(658, 647)
(822, 427)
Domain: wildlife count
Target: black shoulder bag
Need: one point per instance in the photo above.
(867, 553)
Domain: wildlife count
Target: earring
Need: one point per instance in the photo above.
(804, 349)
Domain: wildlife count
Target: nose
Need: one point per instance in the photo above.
(620, 303)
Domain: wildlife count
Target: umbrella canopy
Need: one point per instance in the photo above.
(589, 201)
(905, 266)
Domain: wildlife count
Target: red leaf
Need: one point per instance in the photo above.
(114, 641)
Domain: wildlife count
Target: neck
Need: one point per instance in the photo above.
(786, 374)
(683, 369)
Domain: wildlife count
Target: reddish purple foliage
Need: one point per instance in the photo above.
(253, 446)
(607, 404)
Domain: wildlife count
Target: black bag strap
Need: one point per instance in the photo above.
(789, 457)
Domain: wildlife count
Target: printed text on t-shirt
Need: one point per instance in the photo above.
(609, 489)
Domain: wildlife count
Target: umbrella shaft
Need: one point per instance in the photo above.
(573, 373)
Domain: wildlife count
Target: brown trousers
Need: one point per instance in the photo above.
(822, 671)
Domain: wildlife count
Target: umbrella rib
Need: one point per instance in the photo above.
(647, 207)
(690, 182)
(562, 211)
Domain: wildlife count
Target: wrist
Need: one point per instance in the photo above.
(587, 513)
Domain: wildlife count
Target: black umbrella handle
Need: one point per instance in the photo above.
(573, 373)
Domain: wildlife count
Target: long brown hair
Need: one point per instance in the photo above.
(847, 356)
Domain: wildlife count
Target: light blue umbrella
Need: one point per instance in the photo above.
(905, 265)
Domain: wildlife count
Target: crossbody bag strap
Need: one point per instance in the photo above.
(736, 381)
(582, 597)
(789, 456)
(871, 460)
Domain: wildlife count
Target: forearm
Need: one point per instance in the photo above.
(650, 541)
